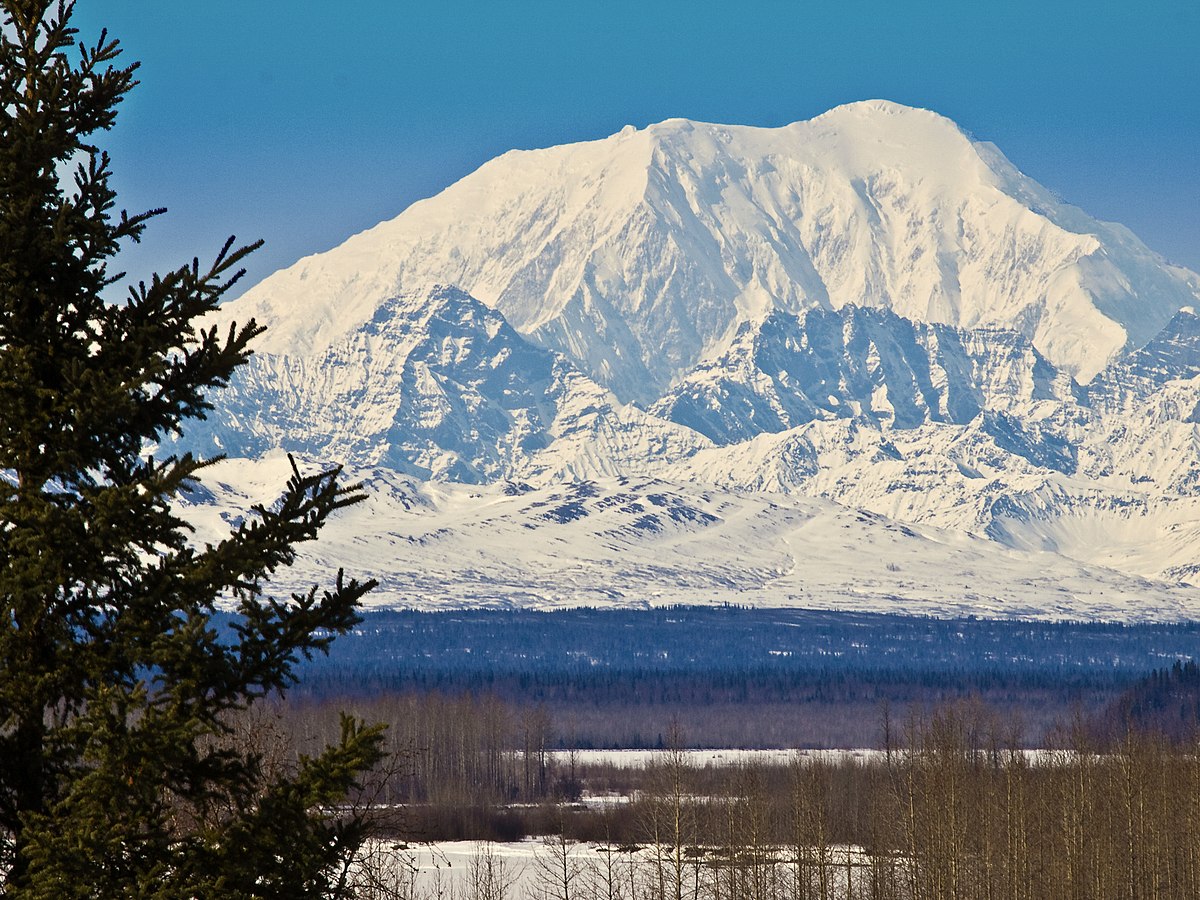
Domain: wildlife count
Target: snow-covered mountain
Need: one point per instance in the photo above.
(860, 363)
(638, 255)
(867, 308)
(439, 386)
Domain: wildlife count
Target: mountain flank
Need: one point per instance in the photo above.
(869, 309)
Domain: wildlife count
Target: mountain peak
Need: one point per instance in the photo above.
(637, 255)
(880, 109)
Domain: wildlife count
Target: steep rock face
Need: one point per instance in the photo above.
(859, 363)
(1171, 355)
(1154, 445)
(637, 256)
(436, 385)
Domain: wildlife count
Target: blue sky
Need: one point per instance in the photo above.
(303, 122)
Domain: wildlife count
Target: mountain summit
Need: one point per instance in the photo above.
(620, 358)
(637, 256)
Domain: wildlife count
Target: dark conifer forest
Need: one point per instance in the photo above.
(741, 677)
(1045, 774)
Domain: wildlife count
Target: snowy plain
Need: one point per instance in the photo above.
(645, 542)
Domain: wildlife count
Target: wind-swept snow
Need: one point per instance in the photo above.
(649, 542)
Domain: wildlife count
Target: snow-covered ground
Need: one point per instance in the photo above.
(638, 542)
(535, 869)
(640, 759)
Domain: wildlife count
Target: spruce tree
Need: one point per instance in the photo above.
(118, 775)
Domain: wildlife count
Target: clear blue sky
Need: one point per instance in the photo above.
(303, 122)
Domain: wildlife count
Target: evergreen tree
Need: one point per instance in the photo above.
(118, 774)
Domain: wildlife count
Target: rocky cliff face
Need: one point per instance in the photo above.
(856, 363)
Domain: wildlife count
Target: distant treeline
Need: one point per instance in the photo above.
(399, 644)
(1166, 702)
(480, 750)
(741, 677)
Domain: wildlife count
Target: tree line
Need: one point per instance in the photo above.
(951, 806)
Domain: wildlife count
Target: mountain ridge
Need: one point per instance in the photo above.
(636, 255)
